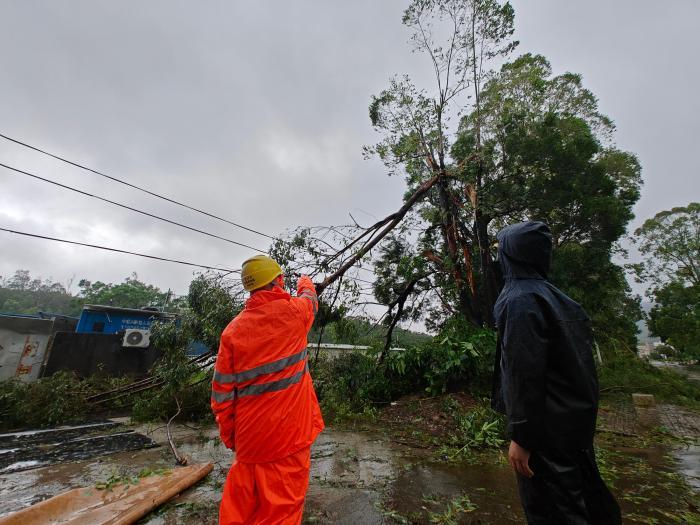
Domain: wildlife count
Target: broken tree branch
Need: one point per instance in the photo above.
(395, 318)
(396, 218)
(180, 460)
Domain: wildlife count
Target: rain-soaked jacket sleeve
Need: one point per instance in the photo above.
(524, 349)
(306, 291)
(223, 393)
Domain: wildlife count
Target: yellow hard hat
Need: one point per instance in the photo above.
(259, 271)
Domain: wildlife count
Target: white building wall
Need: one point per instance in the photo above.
(23, 343)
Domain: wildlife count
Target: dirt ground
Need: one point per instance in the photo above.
(391, 471)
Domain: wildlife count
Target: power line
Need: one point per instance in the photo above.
(118, 250)
(134, 186)
(129, 207)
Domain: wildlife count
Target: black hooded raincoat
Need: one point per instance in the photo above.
(545, 377)
(546, 383)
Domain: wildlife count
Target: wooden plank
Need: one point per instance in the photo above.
(120, 505)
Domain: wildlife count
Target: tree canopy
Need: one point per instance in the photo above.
(529, 145)
(132, 293)
(670, 242)
(494, 140)
(23, 294)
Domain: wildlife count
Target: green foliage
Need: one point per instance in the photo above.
(351, 384)
(210, 308)
(662, 352)
(356, 331)
(476, 427)
(671, 243)
(116, 479)
(132, 293)
(452, 513)
(588, 276)
(546, 159)
(50, 401)
(460, 356)
(624, 372)
(22, 294)
(530, 145)
(44, 403)
(480, 427)
(160, 404)
(676, 318)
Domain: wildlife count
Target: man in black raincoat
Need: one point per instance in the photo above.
(546, 384)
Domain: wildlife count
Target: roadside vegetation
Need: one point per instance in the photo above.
(353, 386)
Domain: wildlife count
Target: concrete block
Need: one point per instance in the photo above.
(643, 400)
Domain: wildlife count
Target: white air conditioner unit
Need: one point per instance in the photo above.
(136, 338)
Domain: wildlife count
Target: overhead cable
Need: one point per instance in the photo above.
(134, 186)
(118, 250)
(130, 208)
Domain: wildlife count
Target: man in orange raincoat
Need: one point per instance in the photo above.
(264, 400)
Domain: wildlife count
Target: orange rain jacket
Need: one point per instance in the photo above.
(262, 394)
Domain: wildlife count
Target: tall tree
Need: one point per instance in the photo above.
(22, 294)
(548, 156)
(671, 243)
(132, 293)
(461, 39)
(528, 145)
(481, 148)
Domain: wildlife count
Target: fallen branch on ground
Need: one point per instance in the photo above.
(180, 460)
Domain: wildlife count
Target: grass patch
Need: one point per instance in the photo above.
(627, 374)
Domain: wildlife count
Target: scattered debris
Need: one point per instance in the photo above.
(180, 460)
(118, 504)
(39, 448)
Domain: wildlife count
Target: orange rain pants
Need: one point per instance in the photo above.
(266, 493)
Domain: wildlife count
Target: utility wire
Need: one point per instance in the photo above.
(118, 250)
(129, 207)
(134, 186)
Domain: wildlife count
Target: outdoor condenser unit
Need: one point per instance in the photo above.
(136, 338)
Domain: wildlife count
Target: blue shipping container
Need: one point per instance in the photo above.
(112, 320)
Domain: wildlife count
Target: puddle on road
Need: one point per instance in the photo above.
(430, 487)
(689, 464)
(363, 478)
(350, 473)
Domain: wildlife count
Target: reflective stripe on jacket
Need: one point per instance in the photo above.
(262, 393)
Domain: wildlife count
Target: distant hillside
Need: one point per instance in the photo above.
(23, 294)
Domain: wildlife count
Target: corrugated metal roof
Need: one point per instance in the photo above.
(133, 311)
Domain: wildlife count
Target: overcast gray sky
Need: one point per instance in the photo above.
(257, 111)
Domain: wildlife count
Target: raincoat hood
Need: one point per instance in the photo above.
(525, 250)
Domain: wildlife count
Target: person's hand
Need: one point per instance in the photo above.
(518, 458)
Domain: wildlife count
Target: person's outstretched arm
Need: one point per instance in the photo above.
(309, 303)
